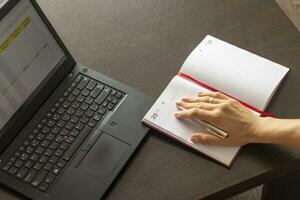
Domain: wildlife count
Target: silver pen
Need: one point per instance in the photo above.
(210, 128)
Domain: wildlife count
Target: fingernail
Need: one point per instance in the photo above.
(194, 139)
(178, 102)
(177, 114)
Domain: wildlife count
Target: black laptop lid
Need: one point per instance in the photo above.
(33, 61)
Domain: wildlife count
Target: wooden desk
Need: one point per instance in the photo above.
(143, 44)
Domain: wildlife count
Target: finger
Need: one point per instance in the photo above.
(216, 95)
(202, 99)
(199, 105)
(197, 113)
(207, 139)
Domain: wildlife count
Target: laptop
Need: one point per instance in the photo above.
(66, 131)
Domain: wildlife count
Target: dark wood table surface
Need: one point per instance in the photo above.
(143, 43)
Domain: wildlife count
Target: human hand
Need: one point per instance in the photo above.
(226, 113)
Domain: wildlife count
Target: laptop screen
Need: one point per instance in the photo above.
(28, 52)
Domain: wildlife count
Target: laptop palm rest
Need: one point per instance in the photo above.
(104, 155)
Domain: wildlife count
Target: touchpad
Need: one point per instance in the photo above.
(104, 156)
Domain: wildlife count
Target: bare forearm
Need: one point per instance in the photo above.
(242, 125)
(279, 131)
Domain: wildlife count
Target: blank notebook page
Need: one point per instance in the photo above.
(234, 71)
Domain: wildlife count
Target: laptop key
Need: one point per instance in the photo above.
(71, 98)
(76, 92)
(89, 100)
(37, 166)
(26, 142)
(110, 106)
(89, 113)
(48, 152)
(35, 143)
(30, 176)
(61, 163)
(64, 146)
(92, 123)
(110, 98)
(28, 164)
(48, 166)
(119, 95)
(43, 159)
(17, 153)
(113, 92)
(74, 119)
(84, 106)
(54, 145)
(55, 130)
(29, 149)
(56, 170)
(115, 100)
(34, 157)
(31, 136)
(80, 99)
(39, 150)
(24, 156)
(66, 104)
(12, 159)
(70, 125)
(6, 167)
(35, 131)
(97, 91)
(105, 104)
(82, 84)
(53, 159)
(61, 111)
(61, 99)
(50, 178)
(102, 110)
(39, 178)
(85, 92)
(71, 111)
(103, 95)
(97, 116)
(51, 136)
(74, 133)
(18, 163)
(79, 126)
(78, 78)
(59, 153)
(43, 187)
(94, 107)
(22, 172)
(12, 170)
(45, 143)
(69, 139)
(51, 123)
(92, 84)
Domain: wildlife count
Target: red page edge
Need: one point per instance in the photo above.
(264, 114)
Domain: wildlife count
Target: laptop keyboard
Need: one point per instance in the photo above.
(42, 156)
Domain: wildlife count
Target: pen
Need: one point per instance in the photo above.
(210, 128)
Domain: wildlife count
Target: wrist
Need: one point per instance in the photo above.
(263, 129)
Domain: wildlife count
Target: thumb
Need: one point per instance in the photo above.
(206, 138)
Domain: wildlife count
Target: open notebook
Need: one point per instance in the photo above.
(217, 66)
